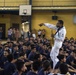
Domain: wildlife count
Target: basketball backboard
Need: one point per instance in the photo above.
(25, 10)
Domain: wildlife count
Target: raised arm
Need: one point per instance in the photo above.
(49, 25)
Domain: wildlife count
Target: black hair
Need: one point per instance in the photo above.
(61, 49)
(37, 56)
(60, 57)
(61, 22)
(15, 45)
(36, 65)
(10, 42)
(7, 51)
(33, 46)
(22, 54)
(63, 68)
(19, 65)
(10, 57)
(46, 65)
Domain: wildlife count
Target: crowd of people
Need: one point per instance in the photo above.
(15, 33)
(42, 33)
(29, 56)
(35, 55)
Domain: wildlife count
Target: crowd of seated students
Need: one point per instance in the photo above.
(31, 56)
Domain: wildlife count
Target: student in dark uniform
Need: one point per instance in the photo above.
(62, 59)
(20, 65)
(34, 67)
(3, 59)
(45, 69)
(32, 53)
(63, 69)
(16, 51)
(71, 58)
(9, 67)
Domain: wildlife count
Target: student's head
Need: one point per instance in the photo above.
(6, 47)
(63, 68)
(24, 55)
(10, 57)
(38, 57)
(35, 66)
(24, 47)
(40, 44)
(15, 47)
(71, 47)
(46, 65)
(61, 51)
(33, 48)
(74, 53)
(6, 53)
(60, 23)
(20, 42)
(20, 65)
(29, 47)
(10, 44)
(26, 39)
(62, 58)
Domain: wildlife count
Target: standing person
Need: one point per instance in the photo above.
(20, 65)
(10, 33)
(59, 37)
(17, 34)
(13, 33)
(29, 34)
(43, 33)
(39, 33)
(0, 33)
(34, 34)
(22, 33)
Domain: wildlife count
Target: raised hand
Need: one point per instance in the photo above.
(41, 24)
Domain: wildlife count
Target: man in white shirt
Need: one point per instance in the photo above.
(59, 37)
(39, 33)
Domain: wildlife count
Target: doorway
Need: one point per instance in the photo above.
(3, 30)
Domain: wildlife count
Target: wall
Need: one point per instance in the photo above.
(67, 17)
(38, 2)
(5, 19)
(15, 19)
(13, 2)
(9, 19)
(53, 2)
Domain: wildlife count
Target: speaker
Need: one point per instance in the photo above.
(54, 17)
